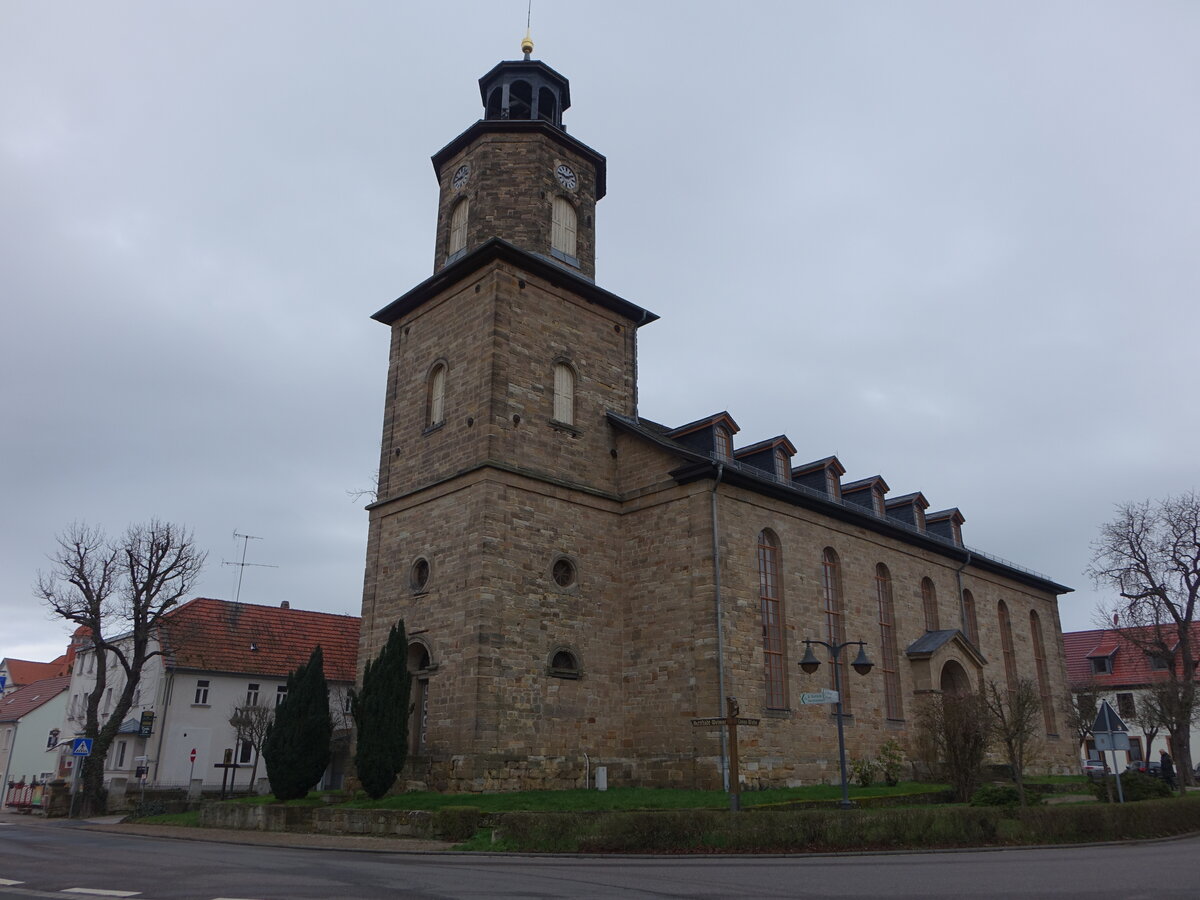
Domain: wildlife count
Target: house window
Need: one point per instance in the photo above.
(252, 695)
(835, 624)
(887, 642)
(929, 603)
(107, 701)
(1158, 662)
(5, 738)
(770, 598)
(724, 443)
(458, 228)
(564, 394)
(245, 752)
(563, 572)
(1125, 706)
(970, 622)
(435, 405)
(280, 694)
(1006, 645)
(562, 230)
(1101, 665)
(1043, 672)
(833, 483)
(201, 698)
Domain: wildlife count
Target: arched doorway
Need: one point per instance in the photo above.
(955, 681)
(418, 710)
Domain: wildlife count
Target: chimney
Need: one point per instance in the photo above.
(285, 605)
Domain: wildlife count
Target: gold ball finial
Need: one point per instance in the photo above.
(527, 45)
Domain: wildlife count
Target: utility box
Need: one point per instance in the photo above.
(602, 778)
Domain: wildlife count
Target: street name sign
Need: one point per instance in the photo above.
(825, 696)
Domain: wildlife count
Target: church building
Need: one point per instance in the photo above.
(580, 582)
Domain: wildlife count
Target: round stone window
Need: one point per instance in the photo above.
(563, 572)
(419, 576)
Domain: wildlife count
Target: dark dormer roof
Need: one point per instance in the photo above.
(721, 418)
(946, 523)
(701, 435)
(695, 465)
(762, 456)
(823, 475)
(908, 508)
(820, 465)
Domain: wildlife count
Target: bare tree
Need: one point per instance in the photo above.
(118, 591)
(250, 725)
(1150, 555)
(1016, 717)
(955, 732)
(1082, 707)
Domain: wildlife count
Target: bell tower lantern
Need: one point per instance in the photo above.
(517, 175)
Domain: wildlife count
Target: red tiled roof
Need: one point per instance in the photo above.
(219, 636)
(1130, 664)
(24, 701)
(23, 671)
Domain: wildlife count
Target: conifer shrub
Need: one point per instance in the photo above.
(296, 749)
(380, 713)
(457, 823)
(1135, 786)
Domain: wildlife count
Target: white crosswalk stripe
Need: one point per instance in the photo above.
(97, 892)
(8, 882)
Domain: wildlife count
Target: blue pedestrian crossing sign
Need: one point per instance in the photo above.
(81, 747)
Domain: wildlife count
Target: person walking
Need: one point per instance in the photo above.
(1168, 768)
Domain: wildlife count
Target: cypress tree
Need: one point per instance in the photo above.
(296, 749)
(381, 715)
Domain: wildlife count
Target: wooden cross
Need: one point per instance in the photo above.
(730, 721)
(226, 765)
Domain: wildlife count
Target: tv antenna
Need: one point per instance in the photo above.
(246, 539)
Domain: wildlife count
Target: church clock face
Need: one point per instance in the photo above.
(460, 176)
(566, 177)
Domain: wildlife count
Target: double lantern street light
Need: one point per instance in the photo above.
(862, 665)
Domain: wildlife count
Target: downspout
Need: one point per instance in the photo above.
(12, 748)
(720, 618)
(962, 606)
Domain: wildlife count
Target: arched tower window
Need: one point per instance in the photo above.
(564, 394)
(435, 406)
(563, 229)
(970, 622)
(1043, 672)
(492, 109)
(894, 707)
(458, 227)
(419, 664)
(770, 599)
(835, 620)
(1006, 646)
(547, 105)
(520, 100)
(929, 604)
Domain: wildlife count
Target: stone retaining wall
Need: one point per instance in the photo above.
(318, 819)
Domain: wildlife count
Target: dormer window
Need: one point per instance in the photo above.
(1102, 665)
(783, 465)
(1158, 662)
(833, 484)
(723, 442)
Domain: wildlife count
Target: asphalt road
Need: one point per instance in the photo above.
(66, 861)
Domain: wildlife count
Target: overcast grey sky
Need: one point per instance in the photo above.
(953, 243)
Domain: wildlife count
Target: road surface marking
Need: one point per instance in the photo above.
(96, 892)
(7, 882)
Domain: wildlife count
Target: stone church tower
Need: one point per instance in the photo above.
(551, 552)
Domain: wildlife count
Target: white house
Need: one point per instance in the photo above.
(217, 657)
(30, 724)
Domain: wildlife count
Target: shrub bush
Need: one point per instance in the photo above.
(1135, 786)
(457, 823)
(1004, 795)
(890, 762)
(863, 771)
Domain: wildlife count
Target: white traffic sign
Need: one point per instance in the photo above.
(1115, 740)
(81, 747)
(825, 696)
(1108, 720)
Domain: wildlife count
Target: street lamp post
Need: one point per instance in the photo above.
(862, 665)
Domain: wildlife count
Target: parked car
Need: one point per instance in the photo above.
(1154, 769)
(1093, 767)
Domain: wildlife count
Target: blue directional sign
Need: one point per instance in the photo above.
(81, 747)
